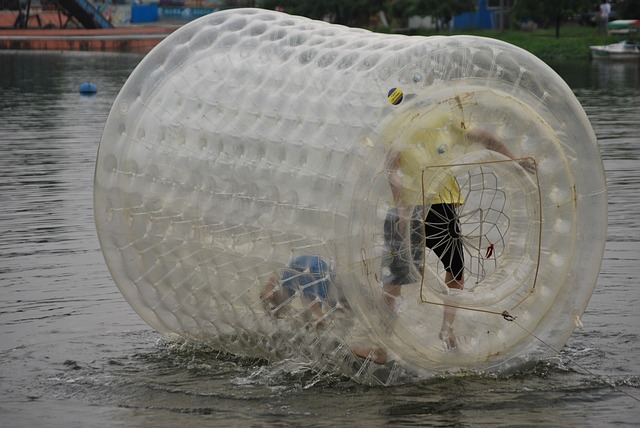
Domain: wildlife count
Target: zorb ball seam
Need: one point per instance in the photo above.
(248, 139)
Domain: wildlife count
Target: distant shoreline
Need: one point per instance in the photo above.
(573, 43)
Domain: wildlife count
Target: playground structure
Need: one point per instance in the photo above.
(80, 12)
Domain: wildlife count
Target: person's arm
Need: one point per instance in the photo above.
(492, 143)
(269, 292)
(395, 182)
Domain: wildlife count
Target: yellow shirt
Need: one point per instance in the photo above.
(416, 146)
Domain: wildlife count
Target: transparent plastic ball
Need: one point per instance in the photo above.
(262, 183)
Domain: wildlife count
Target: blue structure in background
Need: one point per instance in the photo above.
(184, 13)
(485, 17)
(144, 13)
(85, 12)
(155, 12)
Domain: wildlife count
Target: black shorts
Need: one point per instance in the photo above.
(440, 231)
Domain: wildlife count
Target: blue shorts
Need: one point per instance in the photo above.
(439, 231)
(309, 274)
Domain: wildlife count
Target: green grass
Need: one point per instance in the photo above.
(573, 42)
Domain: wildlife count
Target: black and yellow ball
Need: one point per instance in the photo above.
(395, 96)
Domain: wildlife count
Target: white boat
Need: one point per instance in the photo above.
(627, 49)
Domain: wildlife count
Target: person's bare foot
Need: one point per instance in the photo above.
(377, 355)
(449, 339)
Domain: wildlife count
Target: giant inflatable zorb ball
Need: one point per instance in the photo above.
(246, 197)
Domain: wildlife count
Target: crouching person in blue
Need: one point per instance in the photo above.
(309, 277)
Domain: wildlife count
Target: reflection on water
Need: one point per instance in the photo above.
(599, 75)
(74, 352)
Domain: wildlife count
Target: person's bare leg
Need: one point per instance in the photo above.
(446, 331)
(379, 355)
(391, 295)
(267, 290)
(316, 312)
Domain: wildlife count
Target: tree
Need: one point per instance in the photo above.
(345, 12)
(357, 12)
(447, 10)
(549, 12)
(441, 11)
(629, 9)
(404, 8)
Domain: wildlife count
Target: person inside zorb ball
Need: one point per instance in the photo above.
(385, 207)
(311, 277)
(417, 223)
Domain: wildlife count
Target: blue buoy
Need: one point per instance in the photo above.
(88, 88)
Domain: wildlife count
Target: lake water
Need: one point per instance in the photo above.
(74, 354)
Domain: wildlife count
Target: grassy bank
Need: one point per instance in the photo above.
(573, 43)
